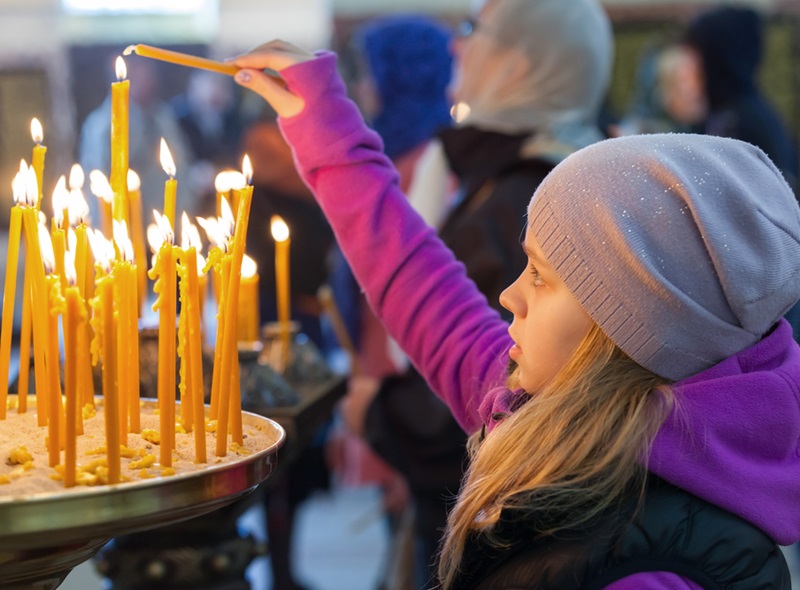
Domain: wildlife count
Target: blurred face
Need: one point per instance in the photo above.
(548, 324)
(468, 46)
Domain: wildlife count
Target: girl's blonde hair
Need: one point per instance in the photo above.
(577, 447)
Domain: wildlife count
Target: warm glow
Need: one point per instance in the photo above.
(167, 163)
(124, 244)
(69, 267)
(18, 188)
(279, 229)
(154, 237)
(60, 201)
(190, 236)
(102, 248)
(165, 227)
(100, 187)
(37, 133)
(77, 207)
(121, 70)
(134, 182)
(31, 188)
(46, 247)
(247, 169)
(249, 268)
(213, 231)
(229, 180)
(76, 177)
(226, 222)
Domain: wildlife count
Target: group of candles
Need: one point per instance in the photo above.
(95, 281)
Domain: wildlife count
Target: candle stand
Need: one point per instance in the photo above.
(210, 553)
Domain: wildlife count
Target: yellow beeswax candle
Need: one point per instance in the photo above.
(222, 267)
(120, 91)
(249, 322)
(37, 158)
(280, 233)
(195, 354)
(105, 309)
(101, 188)
(138, 237)
(181, 59)
(9, 292)
(230, 354)
(74, 317)
(171, 185)
(55, 405)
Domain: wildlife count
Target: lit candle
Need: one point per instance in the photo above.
(127, 313)
(74, 319)
(181, 59)
(164, 273)
(230, 355)
(103, 311)
(192, 343)
(249, 318)
(59, 236)
(137, 236)
(119, 141)
(39, 150)
(280, 233)
(56, 305)
(101, 188)
(37, 297)
(171, 185)
(10, 288)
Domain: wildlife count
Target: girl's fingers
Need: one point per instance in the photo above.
(275, 55)
(284, 102)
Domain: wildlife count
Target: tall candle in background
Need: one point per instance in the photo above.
(171, 185)
(138, 236)
(101, 188)
(249, 318)
(280, 233)
(37, 159)
(120, 91)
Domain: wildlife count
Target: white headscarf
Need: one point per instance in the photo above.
(538, 66)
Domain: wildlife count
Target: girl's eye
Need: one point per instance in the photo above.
(537, 278)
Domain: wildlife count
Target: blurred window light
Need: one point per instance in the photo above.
(135, 6)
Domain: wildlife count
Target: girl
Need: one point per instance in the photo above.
(647, 433)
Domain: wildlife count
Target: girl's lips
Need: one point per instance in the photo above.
(514, 352)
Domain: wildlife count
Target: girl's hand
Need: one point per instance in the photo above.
(275, 55)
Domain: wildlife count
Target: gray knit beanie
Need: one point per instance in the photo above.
(685, 249)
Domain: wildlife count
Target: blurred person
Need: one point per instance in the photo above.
(150, 119)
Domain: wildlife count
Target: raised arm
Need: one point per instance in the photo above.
(410, 278)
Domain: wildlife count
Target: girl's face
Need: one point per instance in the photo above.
(548, 324)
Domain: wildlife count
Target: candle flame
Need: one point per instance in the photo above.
(190, 236)
(60, 201)
(31, 188)
(37, 133)
(102, 248)
(18, 187)
(279, 229)
(165, 227)
(69, 267)
(213, 231)
(134, 182)
(100, 187)
(247, 169)
(154, 237)
(78, 208)
(121, 70)
(226, 222)
(76, 177)
(167, 163)
(124, 244)
(46, 248)
(229, 180)
(249, 267)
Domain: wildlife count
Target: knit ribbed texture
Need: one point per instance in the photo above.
(685, 249)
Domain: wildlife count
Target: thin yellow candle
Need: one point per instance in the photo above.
(123, 275)
(164, 273)
(181, 59)
(37, 159)
(132, 328)
(237, 436)
(230, 355)
(58, 233)
(84, 275)
(10, 289)
(37, 297)
(280, 233)
(120, 91)
(101, 188)
(171, 185)
(74, 317)
(138, 236)
(249, 317)
(105, 295)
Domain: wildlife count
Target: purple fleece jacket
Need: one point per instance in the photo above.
(734, 439)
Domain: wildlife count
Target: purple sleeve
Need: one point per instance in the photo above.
(654, 581)
(410, 278)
